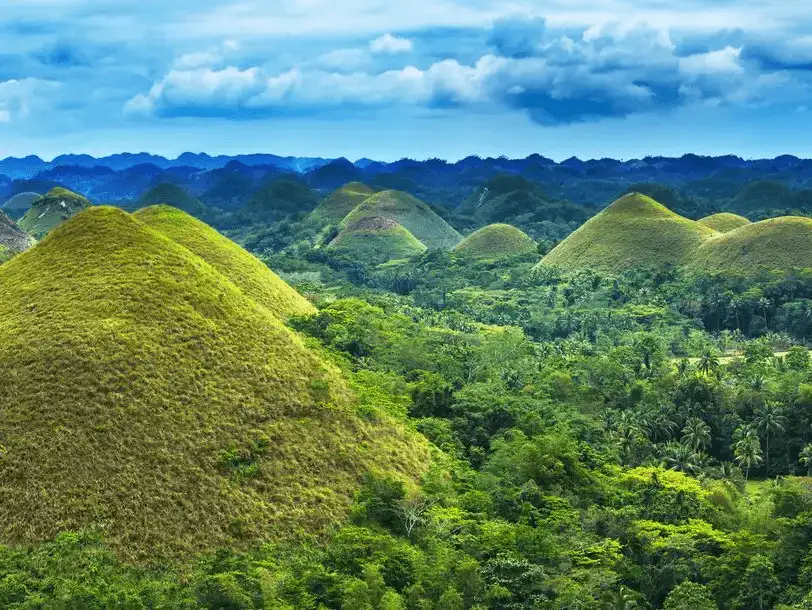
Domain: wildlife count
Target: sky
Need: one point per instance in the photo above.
(420, 79)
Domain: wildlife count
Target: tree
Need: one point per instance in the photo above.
(747, 450)
(708, 362)
(411, 512)
(770, 422)
(806, 458)
(760, 585)
(696, 434)
(689, 596)
(679, 456)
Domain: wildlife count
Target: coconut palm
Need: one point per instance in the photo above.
(678, 456)
(747, 451)
(805, 458)
(770, 422)
(708, 362)
(696, 434)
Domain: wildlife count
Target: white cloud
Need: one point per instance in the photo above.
(203, 59)
(5, 116)
(390, 45)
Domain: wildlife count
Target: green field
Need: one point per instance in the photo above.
(724, 221)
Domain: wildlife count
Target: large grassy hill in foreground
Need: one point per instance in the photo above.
(634, 231)
(724, 221)
(51, 210)
(144, 392)
(495, 241)
(776, 244)
(247, 272)
(414, 215)
(375, 239)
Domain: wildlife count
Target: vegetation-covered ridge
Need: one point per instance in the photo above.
(724, 221)
(19, 204)
(782, 244)
(247, 272)
(142, 391)
(634, 231)
(51, 210)
(339, 203)
(375, 239)
(414, 215)
(496, 240)
(12, 238)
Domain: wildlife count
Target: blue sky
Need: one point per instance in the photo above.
(420, 78)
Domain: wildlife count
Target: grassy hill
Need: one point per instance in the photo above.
(414, 215)
(775, 244)
(167, 193)
(247, 272)
(51, 210)
(634, 231)
(724, 221)
(18, 205)
(12, 238)
(142, 391)
(495, 241)
(376, 239)
(280, 196)
(333, 208)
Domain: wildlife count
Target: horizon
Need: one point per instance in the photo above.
(357, 78)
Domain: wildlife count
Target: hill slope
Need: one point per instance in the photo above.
(495, 241)
(781, 244)
(414, 215)
(724, 221)
(375, 239)
(141, 390)
(247, 272)
(171, 194)
(51, 210)
(12, 238)
(333, 208)
(634, 231)
(19, 204)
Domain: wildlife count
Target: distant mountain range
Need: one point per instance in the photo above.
(227, 182)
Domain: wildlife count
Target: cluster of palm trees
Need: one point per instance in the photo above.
(689, 453)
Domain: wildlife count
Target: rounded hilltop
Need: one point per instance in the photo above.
(375, 239)
(724, 221)
(144, 391)
(50, 210)
(496, 241)
(634, 231)
(411, 213)
(777, 244)
(333, 208)
(245, 270)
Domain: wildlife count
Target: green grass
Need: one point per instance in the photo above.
(781, 244)
(141, 390)
(724, 221)
(634, 231)
(51, 210)
(495, 241)
(19, 204)
(374, 240)
(12, 238)
(333, 208)
(414, 215)
(247, 272)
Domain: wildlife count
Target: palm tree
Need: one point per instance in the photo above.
(769, 422)
(806, 458)
(660, 427)
(747, 451)
(708, 362)
(696, 434)
(678, 456)
(682, 367)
